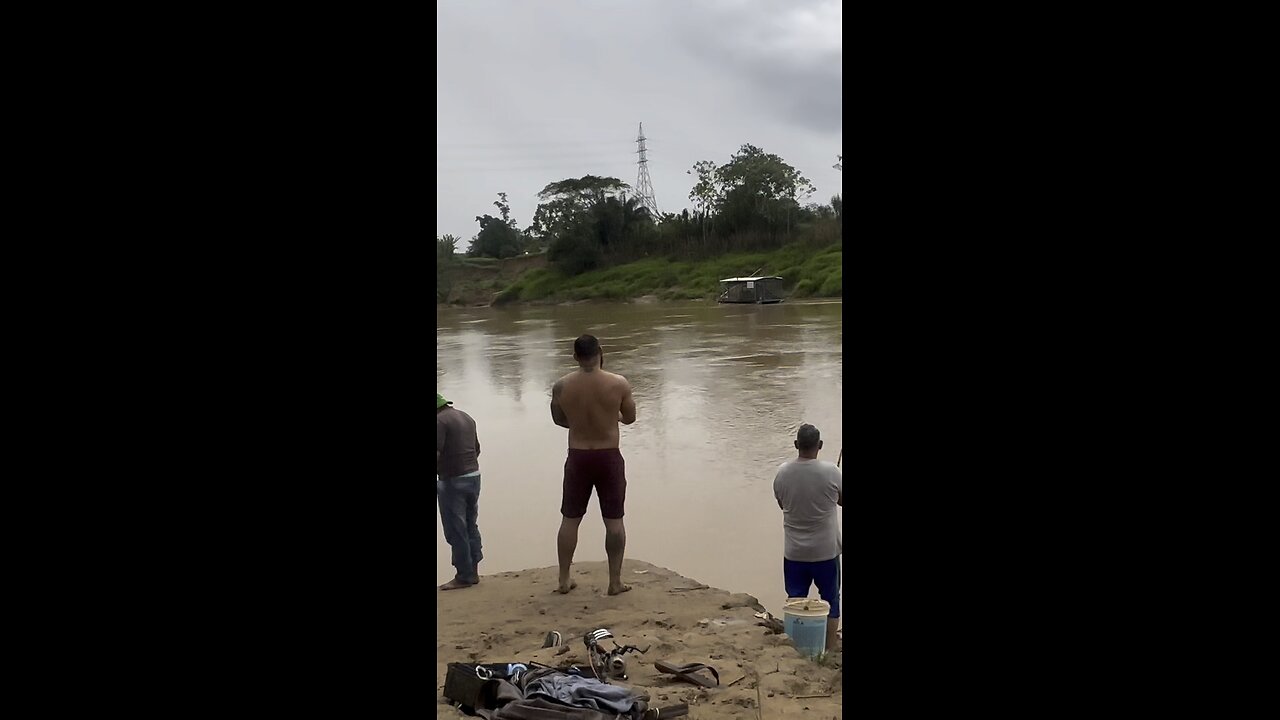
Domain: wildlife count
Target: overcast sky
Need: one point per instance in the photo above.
(529, 92)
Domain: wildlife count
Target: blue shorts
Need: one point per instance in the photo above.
(826, 575)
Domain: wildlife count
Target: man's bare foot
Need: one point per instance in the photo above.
(618, 590)
(456, 584)
(562, 589)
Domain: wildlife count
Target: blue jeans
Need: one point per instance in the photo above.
(459, 500)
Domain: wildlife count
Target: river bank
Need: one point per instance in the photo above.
(506, 617)
(806, 271)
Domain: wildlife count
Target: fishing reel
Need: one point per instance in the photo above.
(608, 663)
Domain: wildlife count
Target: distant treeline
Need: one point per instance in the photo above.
(751, 203)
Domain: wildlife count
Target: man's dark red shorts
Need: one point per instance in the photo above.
(603, 470)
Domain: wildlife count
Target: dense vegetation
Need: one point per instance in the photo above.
(806, 271)
(602, 242)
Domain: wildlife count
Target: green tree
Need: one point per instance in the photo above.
(504, 208)
(706, 188)
(755, 190)
(574, 252)
(820, 212)
(498, 236)
(763, 177)
(585, 220)
(585, 191)
(446, 269)
(706, 194)
(567, 202)
(496, 239)
(836, 203)
(446, 247)
(621, 225)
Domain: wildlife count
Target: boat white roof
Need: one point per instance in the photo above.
(747, 279)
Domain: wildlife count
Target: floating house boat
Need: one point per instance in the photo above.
(762, 290)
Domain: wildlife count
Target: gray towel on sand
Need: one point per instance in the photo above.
(582, 692)
(540, 709)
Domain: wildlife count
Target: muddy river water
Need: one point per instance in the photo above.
(719, 390)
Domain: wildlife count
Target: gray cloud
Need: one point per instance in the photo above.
(532, 92)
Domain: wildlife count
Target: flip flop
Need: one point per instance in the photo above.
(686, 672)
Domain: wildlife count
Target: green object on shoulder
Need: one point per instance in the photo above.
(441, 402)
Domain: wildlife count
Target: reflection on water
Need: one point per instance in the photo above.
(720, 391)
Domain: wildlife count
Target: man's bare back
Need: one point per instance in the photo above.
(591, 402)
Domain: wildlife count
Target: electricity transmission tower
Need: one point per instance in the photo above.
(644, 186)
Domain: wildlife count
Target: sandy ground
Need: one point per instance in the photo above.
(506, 617)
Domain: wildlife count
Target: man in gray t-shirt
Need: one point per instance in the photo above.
(809, 491)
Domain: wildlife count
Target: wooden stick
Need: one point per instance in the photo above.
(682, 589)
(801, 697)
(840, 458)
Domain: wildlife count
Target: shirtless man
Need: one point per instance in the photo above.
(591, 403)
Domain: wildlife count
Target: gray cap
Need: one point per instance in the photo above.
(808, 435)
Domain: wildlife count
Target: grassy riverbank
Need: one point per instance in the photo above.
(807, 272)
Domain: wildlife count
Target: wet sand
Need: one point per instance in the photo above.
(506, 617)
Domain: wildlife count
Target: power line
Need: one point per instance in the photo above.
(615, 151)
(507, 158)
(602, 163)
(537, 143)
(587, 170)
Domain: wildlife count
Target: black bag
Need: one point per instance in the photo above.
(469, 684)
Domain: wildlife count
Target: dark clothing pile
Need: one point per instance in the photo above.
(548, 694)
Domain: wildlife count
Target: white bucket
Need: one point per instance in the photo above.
(805, 622)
